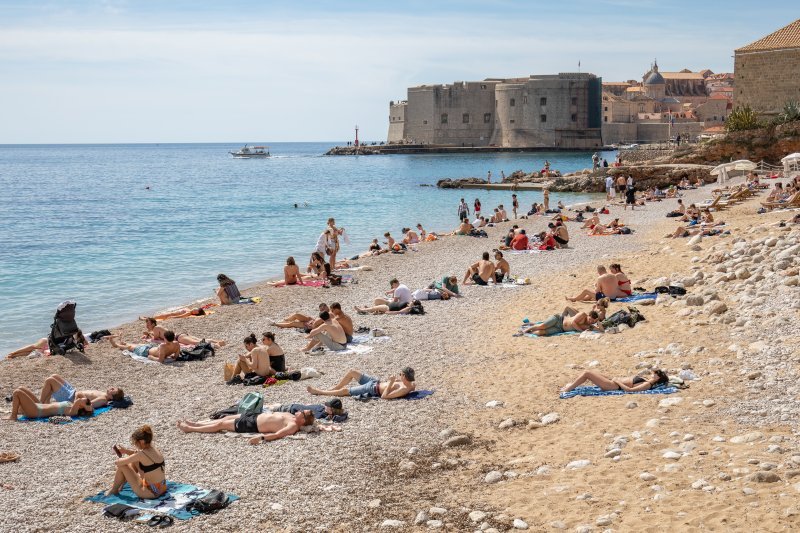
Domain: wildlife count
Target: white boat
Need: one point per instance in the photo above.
(249, 153)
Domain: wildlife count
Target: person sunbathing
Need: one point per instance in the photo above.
(301, 321)
(291, 274)
(182, 313)
(331, 410)
(41, 346)
(317, 267)
(629, 384)
(607, 285)
(591, 222)
(600, 307)
(563, 323)
(410, 236)
(25, 402)
(61, 390)
(168, 351)
(547, 241)
(330, 334)
(343, 319)
(423, 235)
(561, 235)
(414, 307)
(465, 228)
(155, 333)
(502, 269)
(448, 285)
(481, 272)
(142, 468)
(272, 426)
(258, 360)
(705, 231)
(397, 296)
(371, 387)
(613, 228)
(622, 280)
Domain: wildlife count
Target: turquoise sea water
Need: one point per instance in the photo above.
(78, 223)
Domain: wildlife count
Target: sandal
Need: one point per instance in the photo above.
(9, 457)
(160, 521)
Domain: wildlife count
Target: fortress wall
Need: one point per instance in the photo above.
(767, 80)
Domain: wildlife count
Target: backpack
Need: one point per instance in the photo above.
(335, 280)
(210, 503)
(620, 317)
(252, 402)
(416, 309)
(625, 230)
(198, 353)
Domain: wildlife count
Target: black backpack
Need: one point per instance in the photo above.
(210, 503)
(198, 353)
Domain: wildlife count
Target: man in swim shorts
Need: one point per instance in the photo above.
(501, 266)
(272, 426)
(168, 351)
(330, 410)
(371, 387)
(61, 390)
(481, 272)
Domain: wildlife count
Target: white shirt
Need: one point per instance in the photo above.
(322, 244)
(609, 182)
(403, 294)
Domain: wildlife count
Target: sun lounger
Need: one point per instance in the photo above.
(792, 201)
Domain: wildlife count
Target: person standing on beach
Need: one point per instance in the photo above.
(502, 176)
(335, 233)
(477, 208)
(609, 188)
(489, 177)
(595, 161)
(463, 210)
(630, 194)
(546, 199)
(621, 185)
(514, 205)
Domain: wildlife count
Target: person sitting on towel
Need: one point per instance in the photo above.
(343, 319)
(262, 361)
(272, 426)
(481, 272)
(607, 286)
(24, 401)
(142, 469)
(502, 269)
(153, 351)
(371, 387)
(629, 384)
(330, 334)
(301, 321)
(156, 333)
(61, 390)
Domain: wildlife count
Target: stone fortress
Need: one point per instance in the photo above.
(547, 111)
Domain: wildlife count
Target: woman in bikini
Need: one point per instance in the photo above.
(24, 401)
(142, 469)
(317, 268)
(291, 274)
(183, 313)
(41, 345)
(623, 281)
(334, 238)
(629, 384)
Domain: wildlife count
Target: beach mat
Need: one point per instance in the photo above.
(96, 412)
(417, 395)
(139, 358)
(637, 297)
(597, 391)
(533, 335)
(524, 252)
(173, 502)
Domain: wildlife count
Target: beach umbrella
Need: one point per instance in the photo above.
(721, 171)
(791, 160)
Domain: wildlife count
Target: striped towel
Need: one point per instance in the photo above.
(597, 391)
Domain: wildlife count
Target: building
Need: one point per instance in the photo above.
(768, 71)
(558, 111)
(665, 105)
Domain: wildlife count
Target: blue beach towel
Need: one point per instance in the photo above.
(597, 391)
(554, 335)
(417, 395)
(173, 502)
(637, 297)
(96, 412)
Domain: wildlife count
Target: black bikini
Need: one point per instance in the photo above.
(152, 467)
(637, 380)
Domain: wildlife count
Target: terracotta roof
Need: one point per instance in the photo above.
(786, 37)
(682, 75)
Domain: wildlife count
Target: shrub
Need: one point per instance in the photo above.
(742, 118)
(790, 113)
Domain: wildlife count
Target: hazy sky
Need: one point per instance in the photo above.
(201, 71)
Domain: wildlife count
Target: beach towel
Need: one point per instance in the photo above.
(554, 335)
(637, 297)
(309, 283)
(352, 349)
(173, 502)
(597, 391)
(138, 357)
(413, 395)
(522, 252)
(96, 412)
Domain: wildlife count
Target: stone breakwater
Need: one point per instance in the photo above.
(632, 157)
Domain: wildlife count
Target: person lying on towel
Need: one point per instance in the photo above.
(271, 426)
(629, 384)
(371, 387)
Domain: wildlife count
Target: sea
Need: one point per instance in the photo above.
(129, 229)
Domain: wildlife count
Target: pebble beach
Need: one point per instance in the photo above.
(494, 448)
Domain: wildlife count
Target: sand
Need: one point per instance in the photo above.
(388, 463)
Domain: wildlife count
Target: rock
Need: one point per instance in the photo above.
(407, 467)
(708, 403)
(716, 308)
(437, 511)
(695, 300)
(743, 273)
(670, 402)
(747, 437)
(748, 491)
(763, 477)
(494, 404)
(583, 497)
(550, 418)
(506, 424)
(603, 520)
(631, 405)
(694, 240)
(558, 524)
(791, 473)
(533, 424)
(614, 452)
(520, 524)
(652, 423)
(393, 524)
(647, 476)
(374, 504)
(445, 433)
(575, 465)
(493, 477)
(477, 516)
(278, 507)
(413, 451)
(421, 518)
(699, 484)
(542, 470)
(434, 524)
(673, 456)
(458, 440)
(789, 253)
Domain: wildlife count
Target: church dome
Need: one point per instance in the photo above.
(655, 79)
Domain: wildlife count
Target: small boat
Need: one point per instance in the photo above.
(248, 153)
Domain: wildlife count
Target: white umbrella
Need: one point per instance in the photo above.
(791, 160)
(721, 171)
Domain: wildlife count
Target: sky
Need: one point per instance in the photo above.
(113, 71)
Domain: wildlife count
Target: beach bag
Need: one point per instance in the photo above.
(416, 309)
(294, 375)
(210, 503)
(335, 280)
(227, 371)
(198, 353)
(120, 511)
(624, 230)
(251, 378)
(252, 402)
(634, 316)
